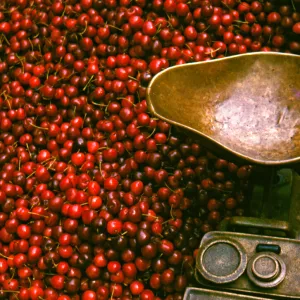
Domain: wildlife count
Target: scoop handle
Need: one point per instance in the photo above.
(250, 222)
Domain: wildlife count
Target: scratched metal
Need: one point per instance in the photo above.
(289, 288)
(205, 294)
(247, 104)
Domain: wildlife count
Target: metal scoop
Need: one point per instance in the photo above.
(248, 105)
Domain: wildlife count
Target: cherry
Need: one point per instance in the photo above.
(295, 46)
(278, 41)
(256, 30)
(111, 184)
(190, 33)
(89, 295)
(114, 227)
(214, 21)
(296, 28)
(136, 22)
(166, 247)
(24, 231)
(57, 282)
(98, 198)
(113, 267)
(136, 287)
(129, 270)
(256, 7)
(100, 260)
(3, 265)
(273, 18)
(167, 277)
(147, 295)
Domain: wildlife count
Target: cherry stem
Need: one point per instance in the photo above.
(293, 5)
(112, 293)
(99, 104)
(31, 44)
(158, 29)
(13, 274)
(47, 160)
(21, 61)
(169, 188)
(115, 27)
(63, 13)
(8, 102)
(188, 47)
(81, 33)
(205, 29)
(36, 214)
(239, 21)
(88, 83)
(138, 96)
(123, 98)
(150, 216)
(149, 136)
(4, 256)
(6, 40)
(43, 24)
(133, 78)
(226, 5)
(39, 127)
(170, 132)
(212, 51)
(171, 212)
(100, 169)
(30, 175)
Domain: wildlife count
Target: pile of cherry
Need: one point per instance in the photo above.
(98, 199)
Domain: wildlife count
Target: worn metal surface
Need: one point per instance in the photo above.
(248, 104)
(221, 260)
(204, 294)
(294, 214)
(280, 197)
(285, 206)
(289, 288)
(266, 269)
(259, 223)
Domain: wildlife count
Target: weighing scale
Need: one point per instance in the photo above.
(246, 107)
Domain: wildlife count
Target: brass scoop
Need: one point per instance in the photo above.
(247, 104)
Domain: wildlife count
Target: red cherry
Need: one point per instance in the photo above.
(113, 267)
(114, 227)
(111, 184)
(274, 18)
(136, 287)
(95, 202)
(93, 188)
(296, 28)
(89, 295)
(137, 187)
(24, 231)
(100, 260)
(147, 295)
(57, 282)
(3, 265)
(78, 158)
(36, 292)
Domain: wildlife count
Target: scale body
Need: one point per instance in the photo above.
(253, 257)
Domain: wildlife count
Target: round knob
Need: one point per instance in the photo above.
(266, 269)
(221, 261)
